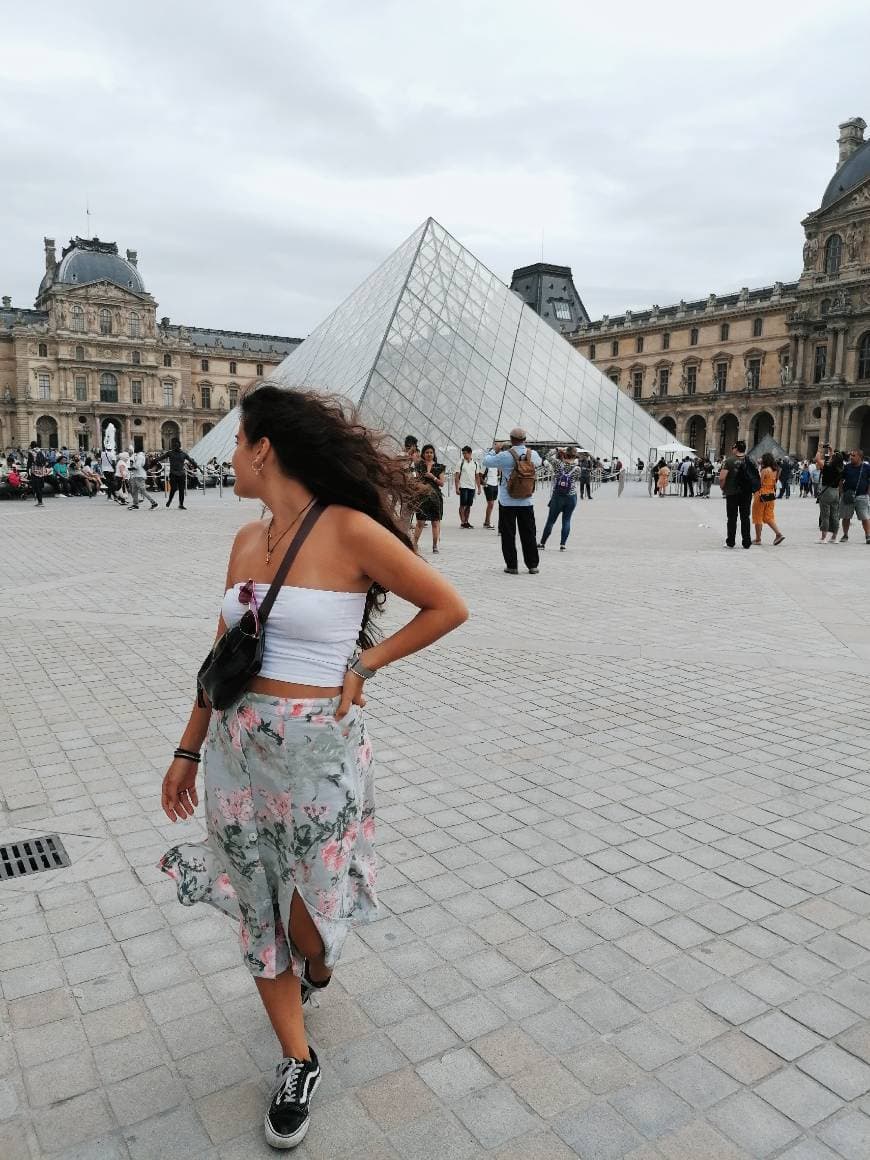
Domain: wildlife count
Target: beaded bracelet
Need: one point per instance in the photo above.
(187, 754)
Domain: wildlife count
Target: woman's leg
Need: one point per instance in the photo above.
(568, 506)
(552, 512)
(436, 533)
(282, 996)
(418, 530)
(758, 533)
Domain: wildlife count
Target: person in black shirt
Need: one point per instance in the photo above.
(177, 461)
(829, 496)
(430, 507)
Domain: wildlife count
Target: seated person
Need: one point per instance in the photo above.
(77, 483)
(14, 481)
(60, 476)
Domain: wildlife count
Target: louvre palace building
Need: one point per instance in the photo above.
(790, 360)
(93, 352)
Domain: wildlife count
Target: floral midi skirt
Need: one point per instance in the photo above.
(289, 805)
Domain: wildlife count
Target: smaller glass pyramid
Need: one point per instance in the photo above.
(433, 344)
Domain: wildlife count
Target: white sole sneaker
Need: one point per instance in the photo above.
(285, 1143)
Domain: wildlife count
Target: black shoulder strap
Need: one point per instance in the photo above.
(314, 513)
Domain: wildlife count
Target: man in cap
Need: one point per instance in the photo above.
(515, 513)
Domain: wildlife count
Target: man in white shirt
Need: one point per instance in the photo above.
(466, 480)
(138, 477)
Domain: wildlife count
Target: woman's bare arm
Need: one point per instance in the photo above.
(386, 560)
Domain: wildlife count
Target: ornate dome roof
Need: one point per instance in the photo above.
(852, 172)
(90, 260)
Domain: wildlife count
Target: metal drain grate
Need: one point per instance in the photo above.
(21, 858)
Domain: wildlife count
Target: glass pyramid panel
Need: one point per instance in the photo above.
(433, 344)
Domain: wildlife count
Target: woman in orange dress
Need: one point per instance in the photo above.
(764, 500)
(664, 479)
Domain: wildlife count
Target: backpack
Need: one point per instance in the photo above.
(748, 478)
(564, 479)
(521, 481)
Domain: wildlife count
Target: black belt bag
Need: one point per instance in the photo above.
(236, 657)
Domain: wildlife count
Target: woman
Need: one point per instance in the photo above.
(664, 478)
(288, 783)
(563, 497)
(764, 500)
(830, 474)
(430, 509)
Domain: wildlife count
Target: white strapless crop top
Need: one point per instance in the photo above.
(310, 633)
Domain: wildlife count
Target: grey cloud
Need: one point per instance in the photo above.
(197, 132)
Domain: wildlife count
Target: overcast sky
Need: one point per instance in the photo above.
(263, 158)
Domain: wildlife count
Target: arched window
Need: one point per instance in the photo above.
(167, 360)
(666, 340)
(105, 320)
(134, 324)
(77, 318)
(614, 353)
(137, 358)
(833, 254)
(725, 331)
(80, 353)
(260, 365)
(108, 388)
(233, 370)
(864, 356)
(825, 307)
(43, 350)
(693, 336)
(757, 327)
(638, 344)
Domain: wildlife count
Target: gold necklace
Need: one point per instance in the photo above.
(270, 547)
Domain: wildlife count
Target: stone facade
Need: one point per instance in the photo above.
(93, 351)
(790, 360)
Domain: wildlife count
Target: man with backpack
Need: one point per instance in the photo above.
(516, 512)
(37, 470)
(739, 480)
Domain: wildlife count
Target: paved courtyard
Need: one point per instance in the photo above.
(623, 826)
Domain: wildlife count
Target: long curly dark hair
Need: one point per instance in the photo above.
(319, 440)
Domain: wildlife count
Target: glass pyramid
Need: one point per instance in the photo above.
(434, 345)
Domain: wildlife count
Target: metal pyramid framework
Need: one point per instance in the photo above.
(433, 344)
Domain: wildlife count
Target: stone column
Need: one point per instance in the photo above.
(831, 360)
(789, 419)
(826, 422)
(799, 359)
(835, 422)
(779, 424)
(841, 355)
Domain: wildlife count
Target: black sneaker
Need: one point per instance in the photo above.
(288, 1117)
(310, 988)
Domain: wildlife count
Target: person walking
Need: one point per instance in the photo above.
(516, 513)
(620, 477)
(585, 476)
(288, 775)
(563, 497)
(739, 480)
(830, 479)
(37, 469)
(122, 476)
(489, 479)
(855, 494)
(430, 509)
(138, 481)
(466, 481)
(764, 500)
(178, 461)
(786, 470)
(664, 477)
(107, 470)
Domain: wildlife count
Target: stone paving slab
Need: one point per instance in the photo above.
(623, 827)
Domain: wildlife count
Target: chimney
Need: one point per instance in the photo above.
(50, 260)
(851, 138)
(132, 257)
(7, 302)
